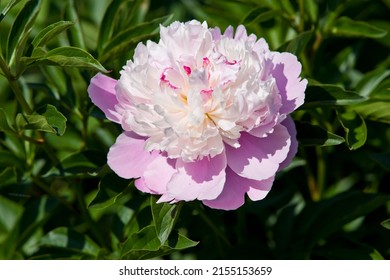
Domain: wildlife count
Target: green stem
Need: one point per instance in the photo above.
(311, 181)
(321, 170)
(302, 16)
(19, 95)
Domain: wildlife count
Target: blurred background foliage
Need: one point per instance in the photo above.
(59, 200)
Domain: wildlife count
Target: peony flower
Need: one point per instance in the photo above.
(205, 115)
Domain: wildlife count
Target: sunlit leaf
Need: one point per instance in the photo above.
(370, 81)
(329, 95)
(50, 32)
(374, 110)
(68, 239)
(298, 44)
(347, 27)
(127, 39)
(164, 217)
(355, 129)
(113, 22)
(69, 57)
(311, 8)
(259, 14)
(55, 119)
(313, 135)
(145, 244)
(21, 29)
(51, 120)
(8, 7)
(76, 36)
(105, 31)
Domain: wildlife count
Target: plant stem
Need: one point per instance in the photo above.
(19, 95)
(302, 16)
(321, 170)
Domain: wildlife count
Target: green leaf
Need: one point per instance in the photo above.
(370, 81)
(106, 26)
(374, 110)
(298, 44)
(259, 14)
(10, 214)
(176, 242)
(68, 239)
(386, 224)
(347, 27)
(86, 161)
(329, 95)
(164, 217)
(51, 121)
(68, 57)
(55, 119)
(112, 189)
(7, 176)
(129, 38)
(354, 127)
(33, 122)
(50, 32)
(8, 7)
(313, 135)
(320, 219)
(35, 215)
(4, 124)
(75, 34)
(145, 244)
(21, 29)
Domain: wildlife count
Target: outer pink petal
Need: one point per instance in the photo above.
(202, 179)
(261, 189)
(233, 194)
(156, 176)
(286, 72)
(127, 156)
(259, 158)
(102, 93)
(290, 125)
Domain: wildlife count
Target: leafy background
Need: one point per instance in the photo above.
(59, 200)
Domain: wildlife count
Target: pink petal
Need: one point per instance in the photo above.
(102, 93)
(202, 179)
(260, 190)
(259, 158)
(291, 87)
(127, 156)
(290, 125)
(156, 176)
(233, 194)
